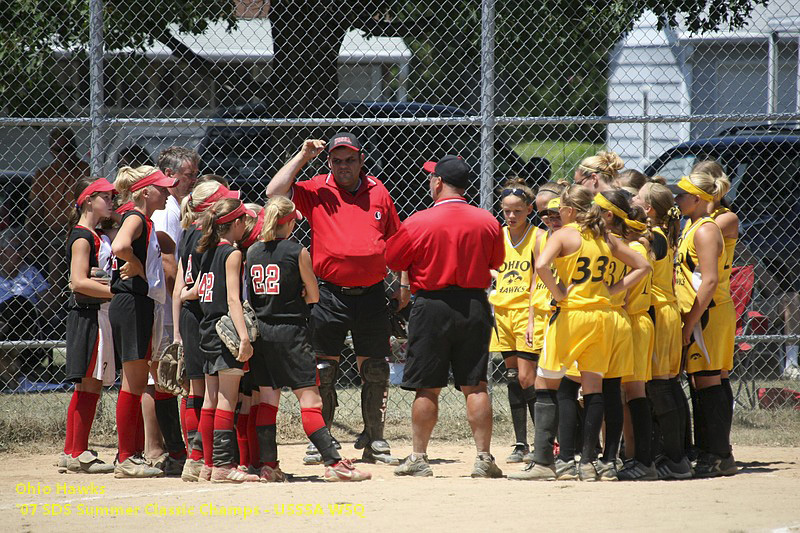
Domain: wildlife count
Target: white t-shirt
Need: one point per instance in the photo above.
(168, 220)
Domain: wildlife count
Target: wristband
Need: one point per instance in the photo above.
(404, 286)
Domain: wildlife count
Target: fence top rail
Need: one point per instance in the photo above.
(474, 120)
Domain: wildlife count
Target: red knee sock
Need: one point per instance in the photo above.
(70, 412)
(182, 410)
(312, 419)
(82, 421)
(206, 429)
(223, 420)
(241, 439)
(252, 437)
(140, 431)
(129, 412)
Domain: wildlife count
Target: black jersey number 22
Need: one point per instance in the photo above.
(266, 279)
(585, 267)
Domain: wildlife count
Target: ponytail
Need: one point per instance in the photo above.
(277, 207)
(590, 216)
(212, 231)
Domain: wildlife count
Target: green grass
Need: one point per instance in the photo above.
(564, 156)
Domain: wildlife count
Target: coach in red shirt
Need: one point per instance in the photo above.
(351, 216)
(448, 251)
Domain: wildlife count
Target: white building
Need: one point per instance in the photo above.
(672, 72)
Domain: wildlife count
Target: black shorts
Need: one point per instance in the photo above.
(528, 356)
(216, 356)
(282, 357)
(189, 326)
(247, 384)
(131, 317)
(448, 329)
(365, 315)
(83, 340)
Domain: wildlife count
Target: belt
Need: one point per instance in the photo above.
(452, 288)
(348, 291)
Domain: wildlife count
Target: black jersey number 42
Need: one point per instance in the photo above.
(266, 279)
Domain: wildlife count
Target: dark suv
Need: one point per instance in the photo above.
(394, 153)
(763, 163)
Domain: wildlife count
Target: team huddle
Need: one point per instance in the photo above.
(610, 303)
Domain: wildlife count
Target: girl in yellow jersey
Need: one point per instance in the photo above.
(728, 224)
(665, 390)
(578, 329)
(638, 425)
(709, 318)
(510, 298)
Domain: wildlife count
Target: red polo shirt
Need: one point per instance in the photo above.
(348, 230)
(452, 243)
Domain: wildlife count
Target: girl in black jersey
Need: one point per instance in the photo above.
(281, 285)
(83, 331)
(132, 311)
(218, 289)
(187, 316)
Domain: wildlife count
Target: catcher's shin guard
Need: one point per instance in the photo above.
(328, 374)
(224, 447)
(374, 395)
(546, 427)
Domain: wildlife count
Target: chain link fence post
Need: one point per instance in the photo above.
(97, 105)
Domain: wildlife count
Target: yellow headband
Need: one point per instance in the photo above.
(601, 200)
(693, 189)
(555, 203)
(635, 224)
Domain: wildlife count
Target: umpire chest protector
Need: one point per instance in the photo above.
(212, 289)
(136, 284)
(273, 280)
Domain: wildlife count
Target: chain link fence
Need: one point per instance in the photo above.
(516, 88)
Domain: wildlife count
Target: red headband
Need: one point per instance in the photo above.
(98, 185)
(124, 208)
(221, 192)
(256, 230)
(236, 213)
(288, 218)
(157, 178)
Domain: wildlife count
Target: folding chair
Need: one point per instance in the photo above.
(747, 323)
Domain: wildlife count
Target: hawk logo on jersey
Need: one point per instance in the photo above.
(512, 276)
(695, 356)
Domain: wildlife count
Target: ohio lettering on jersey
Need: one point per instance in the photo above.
(514, 275)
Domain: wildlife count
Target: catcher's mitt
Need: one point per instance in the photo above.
(171, 370)
(227, 331)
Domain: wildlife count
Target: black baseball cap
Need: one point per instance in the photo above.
(346, 139)
(452, 169)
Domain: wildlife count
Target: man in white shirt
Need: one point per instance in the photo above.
(182, 164)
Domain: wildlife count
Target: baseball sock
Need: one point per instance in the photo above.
(168, 416)
(252, 436)
(519, 411)
(697, 423)
(683, 413)
(642, 429)
(712, 402)
(206, 428)
(266, 429)
(567, 418)
(182, 410)
(726, 386)
(612, 398)
(319, 434)
(593, 405)
(140, 430)
(241, 439)
(529, 394)
(70, 412)
(544, 436)
(129, 411)
(82, 421)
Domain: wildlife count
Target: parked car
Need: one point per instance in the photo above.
(763, 163)
(249, 156)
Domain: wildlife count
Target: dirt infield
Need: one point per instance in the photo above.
(764, 496)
